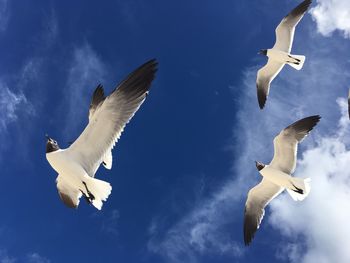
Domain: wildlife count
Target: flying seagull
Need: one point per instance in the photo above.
(276, 176)
(280, 55)
(76, 166)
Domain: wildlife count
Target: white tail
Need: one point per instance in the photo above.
(297, 59)
(100, 189)
(302, 188)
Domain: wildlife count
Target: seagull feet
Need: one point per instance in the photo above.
(296, 63)
(298, 190)
(89, 197)
(298, 60)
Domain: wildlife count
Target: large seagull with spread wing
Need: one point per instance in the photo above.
(280, 55)
(76, 166)
(276, 176)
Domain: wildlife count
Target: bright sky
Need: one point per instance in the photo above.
(185, 162)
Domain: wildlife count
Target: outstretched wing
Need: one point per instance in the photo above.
(285, 30)
(97, 99)
(286, 143)
(109, 119)
(264, 78)
(258, 198)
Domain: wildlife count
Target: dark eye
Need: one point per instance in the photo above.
(54, 142)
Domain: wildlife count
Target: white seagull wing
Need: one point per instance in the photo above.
(109, 119)
(285, 30)
(97, 100)
(286, 143)
(264, 78)
(258, 198)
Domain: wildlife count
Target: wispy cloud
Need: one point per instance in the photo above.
(36, 258)
(294, 94)
(50, 32)
(11, 104)
(4, 14)
(322, 219)
(5, 257)
(110, 222)
(332, 15)
(86, 71)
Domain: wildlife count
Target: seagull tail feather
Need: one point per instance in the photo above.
(300, 188)
(100, 190)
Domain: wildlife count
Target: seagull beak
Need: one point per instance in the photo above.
(47, 137)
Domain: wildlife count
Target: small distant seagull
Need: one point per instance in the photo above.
(277, 175)
(280, 55)
(76, 166)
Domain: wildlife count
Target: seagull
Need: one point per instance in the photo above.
(276, 176)
(76, 166)
(280, 55)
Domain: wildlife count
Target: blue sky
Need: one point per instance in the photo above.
(186, 161)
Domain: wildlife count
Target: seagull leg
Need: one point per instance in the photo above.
(87, 199)
(298, 60)
(297, 190)
(90, 195)
(296, 63)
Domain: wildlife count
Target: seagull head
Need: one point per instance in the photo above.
(259, 165)
(263, 52)
(51, 145)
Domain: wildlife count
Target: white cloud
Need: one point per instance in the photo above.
(86, 71)
(6, 258)
(10, 104)
(332, 15)
(4, 14)
(322, 219)
(294, 94)
(110, 222)
(36, 258)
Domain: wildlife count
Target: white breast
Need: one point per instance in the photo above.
(277, 177)
(63, 164)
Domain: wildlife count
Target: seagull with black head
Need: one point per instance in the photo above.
(279, 54)
(76, 166)
(277, 176)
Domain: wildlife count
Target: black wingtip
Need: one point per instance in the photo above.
(98, 96)
(261, 97)
(313, 119)
(249, 228)
(308, 122)
(152, 64)
(301, 8)
(349, 107)
(138, 83)
(261, 105)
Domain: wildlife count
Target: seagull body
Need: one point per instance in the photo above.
(280, 54)
(277, 175)
(76, 166)
(282, 57)
(73, 181)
